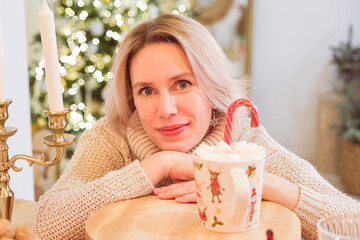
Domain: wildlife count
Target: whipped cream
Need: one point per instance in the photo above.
(237, 151)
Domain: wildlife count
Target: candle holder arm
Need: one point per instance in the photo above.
(41, 161)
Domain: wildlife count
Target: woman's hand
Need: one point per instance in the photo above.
(183, 191)
(281, 191)
(168, 164)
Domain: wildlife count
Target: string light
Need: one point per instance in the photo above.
(96, 3)
(69, 12)
(105, 20)
(107, 14)
(120, 22)
(118, 16)
(93, 58)
(116, 36)
(81, 82)
(75, 86)
(42, 63)
(82, 125)
(117, 3)
(95, 41)
(109, 33)
(67, 31)
(182, 8)
(69, 3)
(71, 91)
(131, 13)
(89, 118)
(61, 10)
(39, 71)
(109, 75)
(141, 5)
(175, 12)
(62, 71)
(73, 107)
(80, 3)
(81, 106)
(90, 69)
(75, 19)
(83, 47)
(83, 15)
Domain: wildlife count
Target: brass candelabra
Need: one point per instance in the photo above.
(57, 123)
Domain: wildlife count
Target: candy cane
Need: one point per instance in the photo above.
(229, 116)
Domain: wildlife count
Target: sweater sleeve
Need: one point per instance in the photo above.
(100, 172)
(318, 198)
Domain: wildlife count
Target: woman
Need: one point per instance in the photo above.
(171, 85)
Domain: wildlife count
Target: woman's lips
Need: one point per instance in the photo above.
(172, 130)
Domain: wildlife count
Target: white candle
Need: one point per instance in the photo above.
(2, 92)
(48, 40)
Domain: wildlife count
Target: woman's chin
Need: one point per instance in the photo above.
(178, 147)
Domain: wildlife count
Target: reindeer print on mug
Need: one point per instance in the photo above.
(214, 185)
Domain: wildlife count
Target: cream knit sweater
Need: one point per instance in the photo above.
(105, 169)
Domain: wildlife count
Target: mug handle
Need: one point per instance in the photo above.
(242, 191)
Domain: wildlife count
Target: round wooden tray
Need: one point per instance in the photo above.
(151, 218)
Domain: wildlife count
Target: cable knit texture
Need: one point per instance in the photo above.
(105, 168)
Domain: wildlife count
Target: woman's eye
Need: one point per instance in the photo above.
(146, 91)
(183, 84)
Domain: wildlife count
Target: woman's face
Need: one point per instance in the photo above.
(172, 107)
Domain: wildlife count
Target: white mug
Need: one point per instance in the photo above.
(229, 193)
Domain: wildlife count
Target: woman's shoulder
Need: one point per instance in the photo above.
(102, 130)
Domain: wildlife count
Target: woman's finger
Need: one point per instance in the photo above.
(188, 198)
(176, 190)
(170, 187)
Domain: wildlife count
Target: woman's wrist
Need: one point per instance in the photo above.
(280, 191)
(156, 167)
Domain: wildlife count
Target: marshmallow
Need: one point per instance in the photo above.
(223, 147)
(240, 148)
(204, 150)
(237, 151)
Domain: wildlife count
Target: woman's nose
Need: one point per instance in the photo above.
(167, 105)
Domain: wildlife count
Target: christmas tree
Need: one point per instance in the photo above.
(88, 32)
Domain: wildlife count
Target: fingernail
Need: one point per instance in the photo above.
(179, 199)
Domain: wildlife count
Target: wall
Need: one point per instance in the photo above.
(291, 64)
(17, 89)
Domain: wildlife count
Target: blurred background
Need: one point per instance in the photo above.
(303, 58)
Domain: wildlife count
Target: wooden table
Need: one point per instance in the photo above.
(151, 218)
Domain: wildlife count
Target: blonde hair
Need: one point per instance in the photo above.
(209, 63)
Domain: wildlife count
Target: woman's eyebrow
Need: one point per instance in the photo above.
(141, 84)
(173, 78)
(181, 75)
